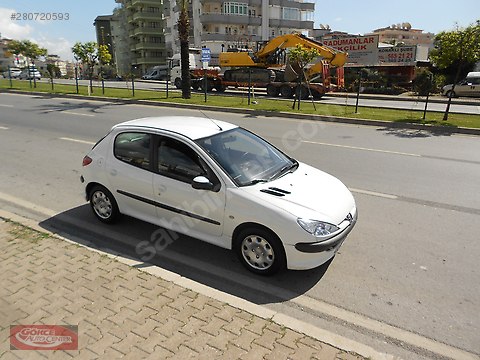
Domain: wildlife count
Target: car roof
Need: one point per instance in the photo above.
(189, 126)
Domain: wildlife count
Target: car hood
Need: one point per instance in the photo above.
(308, 193)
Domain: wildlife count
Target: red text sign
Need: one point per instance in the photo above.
(43, 337)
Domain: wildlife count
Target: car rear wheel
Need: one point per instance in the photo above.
(450, 93)
(260, 251)
(103, 204)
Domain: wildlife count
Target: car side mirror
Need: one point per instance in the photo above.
(202, 183)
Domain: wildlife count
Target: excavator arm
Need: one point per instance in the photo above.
(333, 56)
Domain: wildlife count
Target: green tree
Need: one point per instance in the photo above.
(29, 49)
(183, 32)
(299, 57)
(459, 47)
(90, 54)
(423, 82)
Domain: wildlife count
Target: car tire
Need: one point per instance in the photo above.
(260, 251)
(103, 204)
(450, 93)
(178, 83)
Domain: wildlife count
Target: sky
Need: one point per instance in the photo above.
(352, 16)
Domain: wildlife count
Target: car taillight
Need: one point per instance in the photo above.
(86, 160)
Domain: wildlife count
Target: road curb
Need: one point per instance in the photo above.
(317, 333)
(441, 130)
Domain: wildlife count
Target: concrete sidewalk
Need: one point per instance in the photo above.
(123, 312)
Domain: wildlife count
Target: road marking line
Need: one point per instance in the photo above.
(362, 148)
(68, 112)
(373, 193)
(3, 128)
(77, 141)
(5, 105)
(75, 113)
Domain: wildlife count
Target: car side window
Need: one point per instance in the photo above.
(133, 148)
(177, 160)
(475, 81)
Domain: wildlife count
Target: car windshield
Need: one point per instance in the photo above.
(247, 158)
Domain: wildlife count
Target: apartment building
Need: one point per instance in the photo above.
(140, 28)
(219, 25)
(404, 34)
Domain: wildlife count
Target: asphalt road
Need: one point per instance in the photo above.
(405, 281)
(387, 102)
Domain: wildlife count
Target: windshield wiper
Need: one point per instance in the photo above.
(286, 169)
(255, 181)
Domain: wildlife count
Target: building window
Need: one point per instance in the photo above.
(153, 9)
(235, 8)
(290, 14)
(307, 15)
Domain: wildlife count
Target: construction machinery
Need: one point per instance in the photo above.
(269, 67)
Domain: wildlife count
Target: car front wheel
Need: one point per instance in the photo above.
(260, 251)
(103, 204)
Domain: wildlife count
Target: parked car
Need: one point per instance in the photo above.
(33, 73)
(222, 184)
(14, 73)
(470, 86)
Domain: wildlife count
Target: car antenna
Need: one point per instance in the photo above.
(211, 120)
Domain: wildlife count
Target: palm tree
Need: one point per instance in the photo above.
(183, 32)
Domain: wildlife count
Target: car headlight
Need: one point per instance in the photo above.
(317, 228)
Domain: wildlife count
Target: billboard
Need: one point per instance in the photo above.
(362, 50)
(398, 56)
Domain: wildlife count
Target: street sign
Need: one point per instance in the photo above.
(206, 55)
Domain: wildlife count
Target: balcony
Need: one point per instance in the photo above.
(294, 4)
(149, 60)
(147, 31)
(292, 24)
(150, 46)
(250, 2)
(229, 37)
(145, 3)
(143, 15)
(218, 18)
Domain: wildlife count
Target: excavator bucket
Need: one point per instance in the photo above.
(292, 72)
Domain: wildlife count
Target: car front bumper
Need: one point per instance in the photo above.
(308, 255)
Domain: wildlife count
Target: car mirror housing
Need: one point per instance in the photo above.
(202, 183)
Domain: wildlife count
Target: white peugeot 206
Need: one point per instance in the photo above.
(222, 184)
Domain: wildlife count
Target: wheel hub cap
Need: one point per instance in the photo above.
(257, 252)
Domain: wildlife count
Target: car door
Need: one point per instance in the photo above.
(474, 86)
(180, 207)
(462, 88)
(130, 174)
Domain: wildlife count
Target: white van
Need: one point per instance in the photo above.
(470, 86)
(159, 72)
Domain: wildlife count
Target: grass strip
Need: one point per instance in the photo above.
(270, 105)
